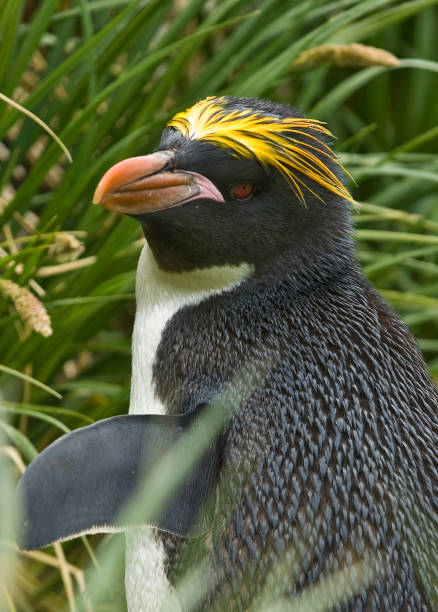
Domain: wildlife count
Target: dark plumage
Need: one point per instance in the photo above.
(334, 457)
(334, 454)
(331, 463)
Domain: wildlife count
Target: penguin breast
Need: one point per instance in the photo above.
(160, 295)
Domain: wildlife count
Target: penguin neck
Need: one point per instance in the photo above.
(160, 295)
(308, 267)
(209, 280)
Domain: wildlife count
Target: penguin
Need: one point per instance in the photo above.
(321, 481)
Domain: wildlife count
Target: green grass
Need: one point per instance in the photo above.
(106, 75)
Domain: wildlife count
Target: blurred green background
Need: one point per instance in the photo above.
(106, 75)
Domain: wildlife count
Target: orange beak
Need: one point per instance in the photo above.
(140, 185)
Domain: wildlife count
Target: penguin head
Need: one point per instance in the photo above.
(234, 180)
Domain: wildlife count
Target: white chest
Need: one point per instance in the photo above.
(159, 296)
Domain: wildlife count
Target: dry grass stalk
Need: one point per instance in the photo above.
(29, 222)
(40, 122)
(77, 573)
(37, 288)
(14, 455)
(10, 239)
(66, 576)
(28, 306)
(7, 599)
(354, 54)
(46, 271)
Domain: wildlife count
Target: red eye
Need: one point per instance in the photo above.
(243, 191)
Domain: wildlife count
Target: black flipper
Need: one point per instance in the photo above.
(81, 483)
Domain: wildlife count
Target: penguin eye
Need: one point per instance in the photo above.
(242, 191)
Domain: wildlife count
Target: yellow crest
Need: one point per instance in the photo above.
(268, 139)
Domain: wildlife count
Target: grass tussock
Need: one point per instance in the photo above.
(105, 76)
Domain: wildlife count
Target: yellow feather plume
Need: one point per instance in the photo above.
(270, 140)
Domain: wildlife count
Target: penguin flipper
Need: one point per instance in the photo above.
(81, 483)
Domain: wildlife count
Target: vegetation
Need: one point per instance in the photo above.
(106, 75)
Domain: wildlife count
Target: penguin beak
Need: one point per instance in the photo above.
(146, 184)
